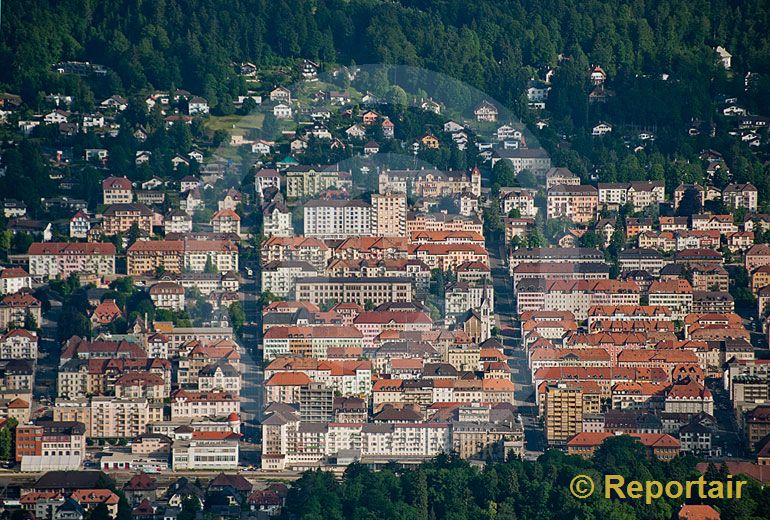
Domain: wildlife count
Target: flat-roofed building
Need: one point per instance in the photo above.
(375, 290)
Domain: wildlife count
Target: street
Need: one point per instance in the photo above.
(253, 375)
(506, 320)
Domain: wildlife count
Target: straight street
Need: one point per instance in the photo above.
(506, 320)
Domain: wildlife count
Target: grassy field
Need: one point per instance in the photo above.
(235, 124)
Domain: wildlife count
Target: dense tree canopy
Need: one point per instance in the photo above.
(492, 46)
(449, 488)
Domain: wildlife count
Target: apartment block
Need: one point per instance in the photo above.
(307, 181)
(579, 204)
(564, 408)
(376, 291)
(389, 212)
(337, 219)
(120, 218)
(280, 277)
(60, 259)
(175, 256)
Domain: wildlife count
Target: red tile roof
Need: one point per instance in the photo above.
(288, 379)
(74, 248)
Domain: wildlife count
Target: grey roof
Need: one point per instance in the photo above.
(313, 427)
(377, 428)
(439, 370)
(227, 369)
(393, 414)
(71, 480)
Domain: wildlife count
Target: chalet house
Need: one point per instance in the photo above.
(429, 141)
(338, 98)
(725, 58)
(142, 157)
(280, 94)
(115, 102)
(356, 131)
(178, 161)
(388, 128)
(247, 69)
(370, 117)
(598, 76)
(56, 116)
(451, 127)
(485, 111)
(261, 147)
(431, 106)
(601, 129)
(371, 148)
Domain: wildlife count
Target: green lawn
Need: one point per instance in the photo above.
(235, 124)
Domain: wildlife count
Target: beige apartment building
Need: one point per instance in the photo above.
(117, 190)
(577, 203)
(175, 256)
(677, 295)
(190, 404)
(377, 290)
(109, 417)
(389, 212)
(119, 218)
(226, 221)
(565, 406)
(306, 181)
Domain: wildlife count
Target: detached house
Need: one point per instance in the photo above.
(388, 128)
(485, 111)
(115, 102)
(601, 129)
(80, 223)
(197, 106)
(357, 131)
(177, 221)
(280, 94)
(282, 111)
(598, 76)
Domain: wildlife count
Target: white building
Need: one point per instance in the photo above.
(18, 344)
(204, 454)
(601, 129)
(13, 280)
(521, 199)
(177, 221)
(337, 219)
(167, 295)
(279, 277)
(276, 220)
(282, 111)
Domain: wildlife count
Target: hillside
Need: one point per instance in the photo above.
(494, 46)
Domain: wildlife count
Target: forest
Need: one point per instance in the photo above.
(493, 46)
(449, 488)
